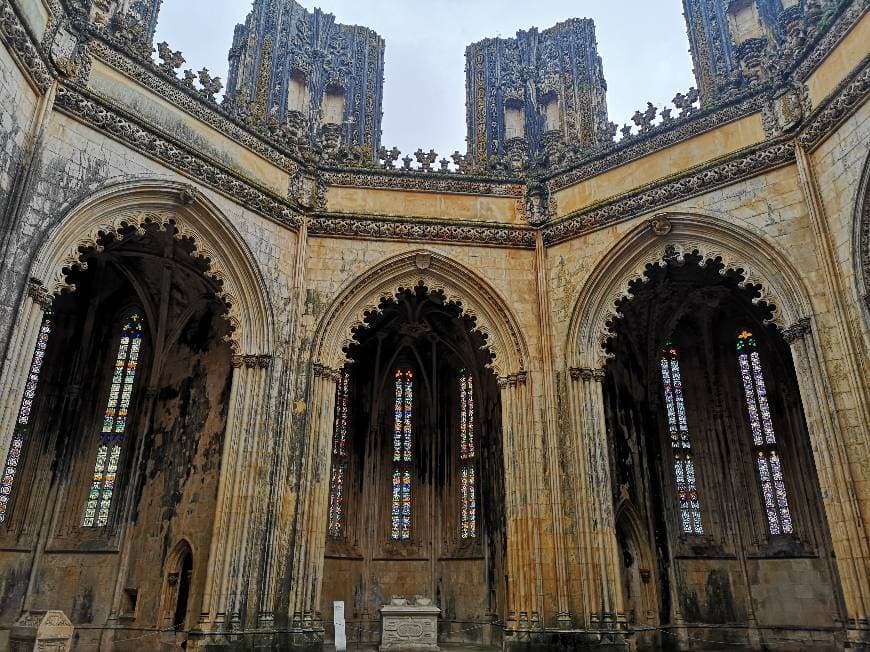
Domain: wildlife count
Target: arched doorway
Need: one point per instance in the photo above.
(710, 444)
(417, 482)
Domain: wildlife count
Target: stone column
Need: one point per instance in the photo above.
(602, 586)
(16, 367)
(310, 544)
(848, 532)
(522, 474)
(235, 543)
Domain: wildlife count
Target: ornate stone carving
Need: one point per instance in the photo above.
(851, 93)
(176, 156)
(39, 293)
(660, 195)
(578, 373)
(16, 37)
(660, 224)
(258, 361)
(797, 330)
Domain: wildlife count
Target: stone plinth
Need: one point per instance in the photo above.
(41, 631)
(409, 628)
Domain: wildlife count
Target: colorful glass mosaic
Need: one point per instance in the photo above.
(16, 446)
(467, 456)
(339, 457)
(763, 436)
(402, 447)
(114, 424)
(684, 468)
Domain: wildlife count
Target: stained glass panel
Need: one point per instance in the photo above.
(403, 407)
(684, 469)
(13, 455)
(770, 477)
(114, 424)
(467, 456)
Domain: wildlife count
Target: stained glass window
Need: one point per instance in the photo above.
(114, 424)
(339, 457)
(467, 459)
(16, 446)
(763, 436)
(402, 448)
(681, 445)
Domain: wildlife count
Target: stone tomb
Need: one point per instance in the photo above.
(409, 627)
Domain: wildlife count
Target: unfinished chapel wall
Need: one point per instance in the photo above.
(272, 247)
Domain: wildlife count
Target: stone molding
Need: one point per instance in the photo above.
(659, 195)
(421, 230)
(424, 182)
(15, 35)
(850, 94)
(95, 114)
(829, 40)
(459, 285)
(249, 361)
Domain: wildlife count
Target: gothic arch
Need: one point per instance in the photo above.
(861, 240)
(674, 235)
(458, 283)
(169, 204)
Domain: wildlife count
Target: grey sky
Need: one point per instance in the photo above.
(642, 42)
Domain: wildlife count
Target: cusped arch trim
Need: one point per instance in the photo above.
(167, 203)
(674, 235)
(475, 297)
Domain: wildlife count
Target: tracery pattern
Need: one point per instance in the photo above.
(402, 449)
(467, 459)
(16, 446)
(339, 457)
(763, 436)
(114, 424)
(681, 446)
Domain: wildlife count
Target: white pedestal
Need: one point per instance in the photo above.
(409, 628)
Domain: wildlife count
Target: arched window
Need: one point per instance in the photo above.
(681, 445)
(763, 436)
(16, 446)
(114, 424)
(339, 457)
(467, 458)
(402, 433)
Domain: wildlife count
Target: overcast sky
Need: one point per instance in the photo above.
(642, 42)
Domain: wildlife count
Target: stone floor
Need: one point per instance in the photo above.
(446, 647)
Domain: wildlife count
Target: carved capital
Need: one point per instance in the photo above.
(249, 361)
(578, 373)
(797, 330)
(40, 295)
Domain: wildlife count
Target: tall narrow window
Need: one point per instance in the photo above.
(114, 424)
(401, 507)
(681, 446)
(339, 457)
(763, 436)
(16, 446)
(467, 458)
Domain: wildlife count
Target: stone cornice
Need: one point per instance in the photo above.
(826, 42)
(661, 194)
(425, 182)
(340, 225)
(96, 114)
(173, 90)
(850, 94)
(27, 52)
(636, 147)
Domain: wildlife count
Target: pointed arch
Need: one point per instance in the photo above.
(674, 235)
(117, 207)
(460, 285)
(861, 242)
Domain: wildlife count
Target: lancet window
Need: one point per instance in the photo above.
(402, 450)
(114, 424)
(764, 441)
(339, 457)
(16, 446)
(467, 459)
(681, 446)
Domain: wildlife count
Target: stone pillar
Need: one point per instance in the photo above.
(848, 533)
(522, 474)
(311, 520)
(14, 372)
(232, 571)
(602, 586)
